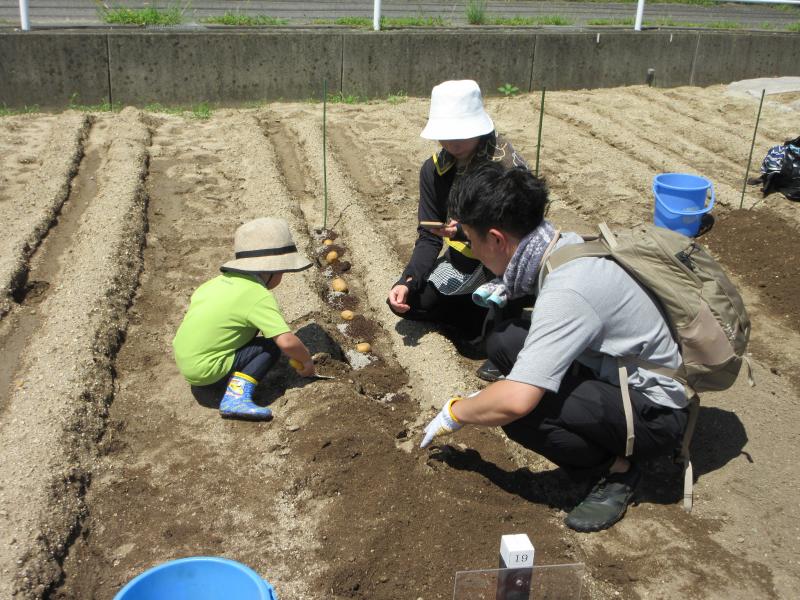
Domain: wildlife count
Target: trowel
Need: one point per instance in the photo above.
(298, 366)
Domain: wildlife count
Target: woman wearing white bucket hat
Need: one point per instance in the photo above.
(439, 289)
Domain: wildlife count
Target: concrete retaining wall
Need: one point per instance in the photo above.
(179, 67)
(50, 69)
(235, 67)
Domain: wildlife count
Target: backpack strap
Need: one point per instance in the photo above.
(626, 406)
(683, 456)
(554, 258)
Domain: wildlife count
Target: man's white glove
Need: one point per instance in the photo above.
(443, 423)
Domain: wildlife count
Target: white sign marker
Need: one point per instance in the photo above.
(516, 551)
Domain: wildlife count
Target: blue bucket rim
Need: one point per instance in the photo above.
(255, 577)
(709, 183)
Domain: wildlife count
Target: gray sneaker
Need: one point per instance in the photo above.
(606, 503)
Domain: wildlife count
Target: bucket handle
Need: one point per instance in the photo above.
(704, 210)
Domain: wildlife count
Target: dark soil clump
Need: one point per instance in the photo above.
(362, 329)
(761, 249)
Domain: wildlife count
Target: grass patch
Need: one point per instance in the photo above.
(722, 25)
(397, 98)
(7, 112)
(75, 104)
(413, 22)
(349, 21)
(141, 16)
(366, 22)
(543, 20)
(794, 27)
(617, 22)
(342, 98)
(201, 111)
(240, 20)
(475, 12)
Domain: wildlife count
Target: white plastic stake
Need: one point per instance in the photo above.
(516, 564)
(639, 15)
(376, 16)
(23, 15)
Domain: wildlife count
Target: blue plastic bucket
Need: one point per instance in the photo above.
(198, 578)
(681, 201)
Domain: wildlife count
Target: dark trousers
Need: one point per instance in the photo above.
(255, 359)
(458, 312)
(581, 428)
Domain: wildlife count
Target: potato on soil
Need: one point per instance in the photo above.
(348, 315)
(327, 242)
(339, 285)
(363, 347)
(331, 256)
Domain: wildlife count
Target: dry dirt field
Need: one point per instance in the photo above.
(109, 466)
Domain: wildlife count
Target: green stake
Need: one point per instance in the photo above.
(749, 158)
(324, 153)
(539, 138)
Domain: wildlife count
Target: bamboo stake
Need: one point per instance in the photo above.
(539, 137)
(324, 153)
(750, 158)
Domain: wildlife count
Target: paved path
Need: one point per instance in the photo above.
(84, 13)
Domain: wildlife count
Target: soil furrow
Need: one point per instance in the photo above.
(659, 159)
(333, 499)
(397, 479)
(709, 160)
(57, 412)
(721, 133)
(429, 359)
(707, 104)
(20, 326)
(22, 138)
(29, 214)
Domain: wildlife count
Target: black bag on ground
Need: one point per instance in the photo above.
(780, 170)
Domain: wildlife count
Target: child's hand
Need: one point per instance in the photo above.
(305, 369)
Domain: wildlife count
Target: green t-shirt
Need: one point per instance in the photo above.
(224, 314)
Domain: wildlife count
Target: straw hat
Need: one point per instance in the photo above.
(265, 246)
(457, 112)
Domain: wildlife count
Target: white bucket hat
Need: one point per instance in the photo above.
(457, 112)
(265, 246)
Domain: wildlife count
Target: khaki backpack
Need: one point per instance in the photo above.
(702, 307)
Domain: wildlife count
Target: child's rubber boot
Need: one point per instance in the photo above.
(237, 403)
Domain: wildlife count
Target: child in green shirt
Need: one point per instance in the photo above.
(218, 340)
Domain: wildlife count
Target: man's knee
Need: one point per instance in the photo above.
(504, 343)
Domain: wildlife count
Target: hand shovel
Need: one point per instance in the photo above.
(298, 366)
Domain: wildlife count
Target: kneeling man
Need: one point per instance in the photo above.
(561, 394)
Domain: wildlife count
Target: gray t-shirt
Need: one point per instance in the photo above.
(592, 311)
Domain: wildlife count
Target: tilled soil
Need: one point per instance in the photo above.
(110, 466)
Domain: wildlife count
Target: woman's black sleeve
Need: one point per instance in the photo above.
(433, 191)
